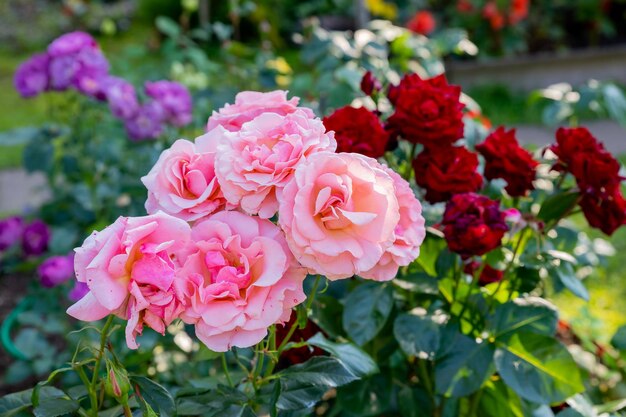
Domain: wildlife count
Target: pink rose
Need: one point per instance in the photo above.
(239, 280)
(183, 183)
(409, 233)
(250, 104)
(340, 213)
(254, 164)
(129, 268)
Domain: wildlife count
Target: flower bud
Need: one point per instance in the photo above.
(370, 84)
(117, 384)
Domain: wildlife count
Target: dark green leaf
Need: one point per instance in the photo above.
(156, 396)
(619, 338)
(570, 412)
(366, 310)
(429, 252)
(167, 26)
(38, 156)
(358, 362)
(462, 365)
(303, 385)
(327, 312)
(12, 404)
(557, 205)
(531, 314)
(417, 335)
(445, 263)
(538, 368)
(53, 402)
(565, 275)
(414, 402)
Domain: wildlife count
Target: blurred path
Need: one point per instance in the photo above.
(21, 192)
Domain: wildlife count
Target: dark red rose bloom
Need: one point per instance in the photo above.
(489, 275)
(358, 130)
(473, 224)
(369, 83)
(606, 213)
(505, 159)
(422, 22)
(595, 169)
(301, 354)
(443, 172)
(426, 111)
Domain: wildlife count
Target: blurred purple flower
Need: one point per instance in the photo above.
(79, 291)
(56, 270)
(122, 97)
(71, 43)
(62, 72)
(35, 238)
(93, 69)
(174, 98)
(147, 123)
(31, 77)
(11, 230)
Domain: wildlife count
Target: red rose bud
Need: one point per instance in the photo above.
(473, 224)
(422, 22)
(426, 111)
(358, 130)
(117, 384)
(488, 275)
(370, 84)
(443, 172)
(606, 213)
(493, 15)
(505, 159)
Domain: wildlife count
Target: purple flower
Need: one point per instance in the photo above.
(10, 231)
(122, 98)
(35, 238)
(56, 270)
(71, 43)
(62, 72)
(79, 291)
(31, 77)
(92, 71)
(147, 123)
(174, 98)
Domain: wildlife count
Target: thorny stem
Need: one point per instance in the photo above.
(94, 379)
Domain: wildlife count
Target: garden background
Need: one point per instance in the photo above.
(555, 63)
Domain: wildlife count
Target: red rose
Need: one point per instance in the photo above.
(369, 83)
(595, 169)
(518, 12)
(427, 111)
(493, 14)
(473, 224)
(488, 275)
(464, 6)
(358, 130)
(297, 355)
(606, 213)
(505, 159)
(443, 172)
(422, 22)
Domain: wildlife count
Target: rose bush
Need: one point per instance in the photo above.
(286, 272)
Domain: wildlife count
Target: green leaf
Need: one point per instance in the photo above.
(167, 26)
(414, 402)
(12, 404)
(19, 136)
(156, 396)
(619, 338)
(327, 313)
(366, 310)
(565, 275)
(570, 412)
(497, 400)
(53, 402)
(445, 263)
(557, 205)
(538, 368)
(417, 335)
(38, 156)
(352, 357)
(462, 365)
(615, 103)
(419, 282)
(429, 252)
(531, 314)
(304, 384)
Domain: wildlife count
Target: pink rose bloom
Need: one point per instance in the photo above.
(129, 268)
(250, 104)
(339, 214)
(409, 233)
(255, 163)
(240, 279)
(183, 183)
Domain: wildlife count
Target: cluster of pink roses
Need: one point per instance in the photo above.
(208, 252)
